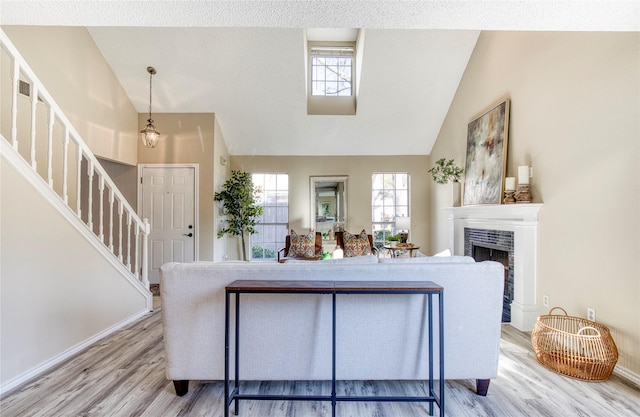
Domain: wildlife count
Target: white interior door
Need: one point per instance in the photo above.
(168, 201)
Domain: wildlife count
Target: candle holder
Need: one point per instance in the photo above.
(509, 196)
(523, 195)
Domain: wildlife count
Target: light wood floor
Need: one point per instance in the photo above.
(123, 375)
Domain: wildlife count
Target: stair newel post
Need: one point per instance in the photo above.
(34, 104)
(145, 252)
(50, 148)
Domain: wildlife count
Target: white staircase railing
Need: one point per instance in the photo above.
(43, 136)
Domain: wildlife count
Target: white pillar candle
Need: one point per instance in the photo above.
(523, 175)
(510, 184)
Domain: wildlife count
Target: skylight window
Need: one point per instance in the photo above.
(331, 70)
(333, 64)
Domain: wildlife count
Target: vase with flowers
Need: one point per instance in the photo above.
(446, 171)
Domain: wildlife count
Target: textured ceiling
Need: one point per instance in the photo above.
(244, 61)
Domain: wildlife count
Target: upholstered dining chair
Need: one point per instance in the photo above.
(340, 242)
(283, 253)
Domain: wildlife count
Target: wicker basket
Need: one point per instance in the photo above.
(575, 347)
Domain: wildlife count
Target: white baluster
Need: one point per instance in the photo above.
(129, 241)
(79, 179)
(50, 148)
(111, 220)
(101, 212)
(90, 199)
(15, 81)
(120, 211)
(136, 270)
(65, 168)
(34, 102)
(145, 253)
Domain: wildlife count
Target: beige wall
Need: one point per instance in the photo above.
(72, 69)
(125, 177)
(575, 117)
(187, 138)
(359, 170)
(222, 171)
(57, 291)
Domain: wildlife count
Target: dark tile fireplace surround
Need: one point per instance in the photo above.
(494, 245)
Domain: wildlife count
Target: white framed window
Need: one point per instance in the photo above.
(332, 69)
(389, 199)
(273, 225)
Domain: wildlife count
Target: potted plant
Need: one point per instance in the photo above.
(239, 196)
(446, 171)
(394, 239)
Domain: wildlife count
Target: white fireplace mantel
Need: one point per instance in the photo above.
(522, 220)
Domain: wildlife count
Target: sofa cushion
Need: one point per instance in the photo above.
(366, 259)
(427, 259)
(302, 246)
(356, 245)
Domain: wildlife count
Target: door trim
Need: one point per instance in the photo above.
(196, 197)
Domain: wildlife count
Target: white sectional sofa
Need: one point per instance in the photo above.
(288, 337)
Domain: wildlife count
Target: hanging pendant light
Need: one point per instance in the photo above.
(149, 134)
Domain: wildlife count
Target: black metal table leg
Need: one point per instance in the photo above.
(226, 354)
(237, 364)
(333, 359)
(430, 321)
(441, 337)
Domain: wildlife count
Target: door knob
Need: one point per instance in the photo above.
(190, 234)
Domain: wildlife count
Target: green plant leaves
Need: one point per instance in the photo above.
(446, 170)
(238, 197)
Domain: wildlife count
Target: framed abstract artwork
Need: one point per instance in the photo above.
(486, 161)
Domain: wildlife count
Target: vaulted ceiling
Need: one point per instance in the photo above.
(244, 61)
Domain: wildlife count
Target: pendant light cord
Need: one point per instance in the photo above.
(150, 97)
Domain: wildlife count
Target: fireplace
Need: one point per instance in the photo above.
(507, 227)
(494, 245)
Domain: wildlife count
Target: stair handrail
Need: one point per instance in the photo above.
(19, 66)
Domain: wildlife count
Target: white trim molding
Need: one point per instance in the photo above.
(625, 373)
(522, 220)
(67, 354)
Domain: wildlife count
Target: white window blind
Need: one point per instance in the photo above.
(331, 70)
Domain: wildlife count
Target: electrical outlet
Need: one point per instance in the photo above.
(530, 172)
(591, 314)
(545, 300)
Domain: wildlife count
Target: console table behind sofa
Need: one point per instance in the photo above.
(334, 288)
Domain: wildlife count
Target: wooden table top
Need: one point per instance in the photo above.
(331, 286)
(397, 248)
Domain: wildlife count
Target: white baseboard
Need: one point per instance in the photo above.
(627, 374)
(47, 365)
